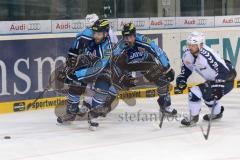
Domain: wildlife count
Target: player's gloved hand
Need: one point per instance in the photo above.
(154, 74)
(217, 88)
(71, 61)
(131, 82)
(181, 84)
(61, 75)
(127, 81)
(170, 75)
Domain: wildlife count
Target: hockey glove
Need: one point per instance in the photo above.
(127, 81)
(181, 84)
(170, 75)
(217, 88)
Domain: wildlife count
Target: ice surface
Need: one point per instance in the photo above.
(35, 135)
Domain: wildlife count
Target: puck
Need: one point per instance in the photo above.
(7, 137)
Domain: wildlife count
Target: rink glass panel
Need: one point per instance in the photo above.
(77, 9)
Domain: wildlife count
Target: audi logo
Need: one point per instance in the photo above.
(139, 23)
(34, 26)
(237, 20)
(201, 21)
(168, 22)
(77, 25)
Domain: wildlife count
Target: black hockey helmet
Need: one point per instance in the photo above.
(129, 29)
(101, 25)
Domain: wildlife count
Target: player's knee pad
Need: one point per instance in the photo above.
(206, 91)
(164, 100)
(193, 98)
(195, 94)
(100, 98)
(112, 101)
(101, 88)
(163, 89)
(73, 98)
(112, 93)
(209, 103)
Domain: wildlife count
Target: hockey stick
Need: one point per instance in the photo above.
(161, 110)
(50, 83)
(41, 94)
(206, 135)
(162, 117)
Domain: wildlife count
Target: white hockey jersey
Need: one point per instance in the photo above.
(208, 64)
(112, 36)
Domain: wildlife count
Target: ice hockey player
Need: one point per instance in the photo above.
(80, 44)
(135, 52)
(92, 18)
(218, 73)
(90, 67)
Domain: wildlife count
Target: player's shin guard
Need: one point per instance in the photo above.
(194, 107)
(112, 95)
(193, 117)
(72, 104)
(99, 99)
(164, 101)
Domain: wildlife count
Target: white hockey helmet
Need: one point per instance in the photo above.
(91, 19)
(196, 38)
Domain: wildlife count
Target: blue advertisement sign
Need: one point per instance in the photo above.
(26, 65)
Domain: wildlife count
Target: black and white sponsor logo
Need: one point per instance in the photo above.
(18, 107)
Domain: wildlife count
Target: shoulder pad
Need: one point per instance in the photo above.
(186, 53)
(187, 58)
(86, 32)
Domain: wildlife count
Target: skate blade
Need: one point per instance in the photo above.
(190, 126)
(66, 123)
(213, 120)
(170, 115)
